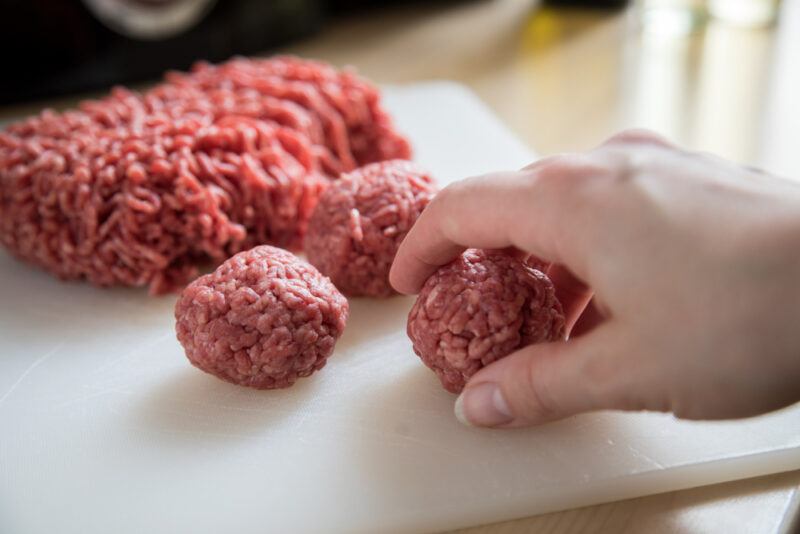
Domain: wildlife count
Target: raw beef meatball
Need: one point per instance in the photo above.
(360, 220)
(263, 319)
(478, 309)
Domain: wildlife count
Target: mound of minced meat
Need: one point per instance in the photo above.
(263, 319)
(137, 189)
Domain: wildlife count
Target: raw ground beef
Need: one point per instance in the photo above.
(346, 109)
(478, 309)
(263, 319)
(138, 189)
(360, 220)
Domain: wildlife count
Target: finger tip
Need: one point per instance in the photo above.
(458, 410)
(483, 405)
(400, 281)
(407, 274)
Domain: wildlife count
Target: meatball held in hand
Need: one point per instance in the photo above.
(360, 221)
(479, 308)
(263, 319)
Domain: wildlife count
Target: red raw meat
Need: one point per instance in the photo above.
(263, 319)
(138, 189)
(360, 221)
(478, 309)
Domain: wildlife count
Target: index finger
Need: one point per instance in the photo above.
(526, 209)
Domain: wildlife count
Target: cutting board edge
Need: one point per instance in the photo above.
(636, 486)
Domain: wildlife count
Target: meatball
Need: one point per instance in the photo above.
(263, 319)
(478, 309)
(360, 220)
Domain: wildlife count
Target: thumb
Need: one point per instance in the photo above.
(546, 382)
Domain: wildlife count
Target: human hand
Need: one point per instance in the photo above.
(694, 264)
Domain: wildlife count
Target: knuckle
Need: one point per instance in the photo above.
(638, 136)
(569, 166)
(444, 197)
(458, 189)
(577, 181)
(636, 153)
(445, 193)
(559, 175)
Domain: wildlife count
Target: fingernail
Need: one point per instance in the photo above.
(483, 405)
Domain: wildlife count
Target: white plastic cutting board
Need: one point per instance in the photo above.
(105, 427)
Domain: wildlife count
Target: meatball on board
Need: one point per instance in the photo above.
(262, 319)
(106, 427)
(360, 221)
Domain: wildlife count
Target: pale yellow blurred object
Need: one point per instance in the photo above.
(747, 13)
(676, 17)
(670, 17)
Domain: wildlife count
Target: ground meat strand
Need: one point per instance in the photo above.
(356, 128)
(116, 206)
(263, 319)
(478, 309)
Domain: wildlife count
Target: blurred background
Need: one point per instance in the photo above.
(716, 75)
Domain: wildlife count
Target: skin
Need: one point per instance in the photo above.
(693, 264)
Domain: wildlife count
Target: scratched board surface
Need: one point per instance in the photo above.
(104, 426)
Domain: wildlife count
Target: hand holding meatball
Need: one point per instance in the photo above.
(694, 262)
